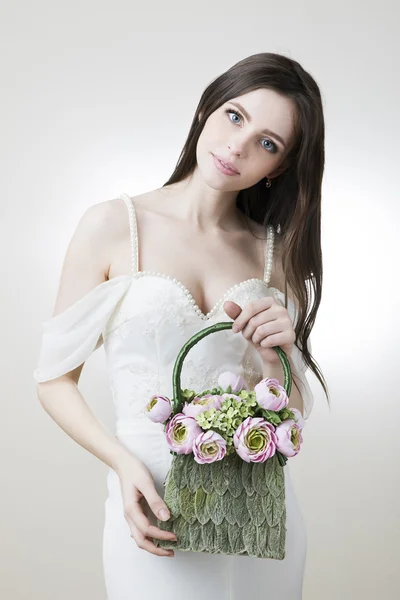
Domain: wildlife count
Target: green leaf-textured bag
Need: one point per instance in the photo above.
(229, 506)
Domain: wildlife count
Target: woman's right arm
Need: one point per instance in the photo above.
(85, 266)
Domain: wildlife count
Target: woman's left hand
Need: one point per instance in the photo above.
(264, 323)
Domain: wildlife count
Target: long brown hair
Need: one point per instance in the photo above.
(293, 203)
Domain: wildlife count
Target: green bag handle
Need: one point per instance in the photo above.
(176, 376)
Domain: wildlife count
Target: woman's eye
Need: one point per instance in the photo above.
(233, 112)
(272, 145)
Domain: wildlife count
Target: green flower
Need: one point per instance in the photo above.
(234, 409)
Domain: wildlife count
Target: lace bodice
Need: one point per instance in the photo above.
(143, 320)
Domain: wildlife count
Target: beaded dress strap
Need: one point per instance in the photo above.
(269, 253)
(133, 232)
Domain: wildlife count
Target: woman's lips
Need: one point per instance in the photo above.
(222, 168)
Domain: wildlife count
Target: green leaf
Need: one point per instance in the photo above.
(192, 474)
(182, 532)
(235, 535)
(200, 506)
(255, 509)
(271, 416)
(247, 477)
(171, 497)
(233, 473)
(262, 540)
(274, 539)
(186, 504)
(165, 526)
(209, 536)
(275, 477)
(273, 508)
(222, 538)
(227, 503)
(178, 472)
(250, 538)
(188, 395)
(282, 458)
(282, 542)
(218, 477)
(195, 536)
(214, 507)
(286, 413)
(259, 479)
(240, 511)
(205, 476)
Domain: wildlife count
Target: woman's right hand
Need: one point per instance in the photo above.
(137, 483)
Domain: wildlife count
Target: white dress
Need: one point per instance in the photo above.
(143, 320)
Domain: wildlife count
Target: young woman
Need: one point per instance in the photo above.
(234, 234)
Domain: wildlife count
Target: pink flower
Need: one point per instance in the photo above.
(255, 440)
(298, 418)
(158, 409)
(209, 447)
(181, 431)
(236, 382)
(270, 395)
(289, 438)
(199, 405)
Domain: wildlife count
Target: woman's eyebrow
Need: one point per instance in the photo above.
(266, 131)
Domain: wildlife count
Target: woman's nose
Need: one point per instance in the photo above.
(237, 146)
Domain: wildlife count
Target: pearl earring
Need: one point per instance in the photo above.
(268, 183)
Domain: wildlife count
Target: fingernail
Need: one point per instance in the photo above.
(164, 515)
(235, 328)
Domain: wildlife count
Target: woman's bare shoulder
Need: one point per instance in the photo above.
(111, 217)
(99, 231)
(108, 215)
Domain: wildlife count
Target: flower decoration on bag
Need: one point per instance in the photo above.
(256, 424)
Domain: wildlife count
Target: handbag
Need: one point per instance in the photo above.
(229, 506)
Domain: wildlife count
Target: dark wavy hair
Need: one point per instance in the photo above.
(293, 203)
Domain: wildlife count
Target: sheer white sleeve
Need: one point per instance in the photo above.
(70, 337)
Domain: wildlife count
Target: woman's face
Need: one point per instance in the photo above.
(248, 139)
